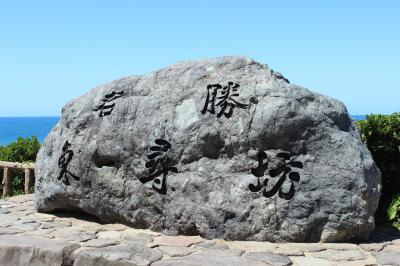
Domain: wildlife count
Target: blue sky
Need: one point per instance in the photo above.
(52, 52)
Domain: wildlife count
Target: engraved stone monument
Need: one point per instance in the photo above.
(222, 148)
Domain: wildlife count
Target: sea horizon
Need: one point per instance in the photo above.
(12, 127)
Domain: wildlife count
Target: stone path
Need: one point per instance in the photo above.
(30, 238)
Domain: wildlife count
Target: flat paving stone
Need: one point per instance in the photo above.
(27, 226)
(135, 232)
(4, 211)
(81, 222)
(177, 241)
(24, 250)
(113, 227)
(113, 235)
(367, 262)
(78, 237)
(304, 247)
(175, 251)
(252, 246)
(388, 258)
(73, 234)
(222, 252)
(91, 230)
(270, 258)
(68, 230)
(46, 233)
(393, 248)
(339, 255)
(287, 251)
(100, 243)
(47, 225)
(208, 260)
(43, 217)
(373, 246)
(138, 239)
(62, 223)
(9, 230)
(310, 261)
(215, 243)
(133, 255)
(340, 246)
(8, 219)
(19, 208)
(7, 204)
(22, 198)
(26, 219)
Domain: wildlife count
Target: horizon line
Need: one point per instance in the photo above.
(29, 116)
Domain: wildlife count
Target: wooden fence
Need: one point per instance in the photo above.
(7, 178)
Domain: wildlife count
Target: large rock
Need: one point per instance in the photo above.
(223, 148)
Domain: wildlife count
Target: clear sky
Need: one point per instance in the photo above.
(54, 51)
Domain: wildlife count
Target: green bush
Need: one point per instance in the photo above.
(394, 212)
(22, 150)
(381, 134)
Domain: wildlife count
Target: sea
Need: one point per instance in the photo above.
(13, 127)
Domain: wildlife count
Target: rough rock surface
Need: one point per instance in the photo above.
(222, 148)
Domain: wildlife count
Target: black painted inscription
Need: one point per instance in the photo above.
(159, 166)
(63, 162)
(107, 105)
(283, 171)
(223, 98)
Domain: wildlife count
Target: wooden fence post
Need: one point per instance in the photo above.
(6, 182)
(27, 180)
(8, 178)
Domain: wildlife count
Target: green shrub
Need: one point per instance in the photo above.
(394, 212)
(22, 150)
(381, 134)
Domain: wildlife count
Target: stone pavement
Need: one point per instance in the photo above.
(30, 238)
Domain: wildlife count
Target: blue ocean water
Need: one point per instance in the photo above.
(13, 127)
(358, 117)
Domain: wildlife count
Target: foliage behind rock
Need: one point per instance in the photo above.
(22, 150)
(381, 133)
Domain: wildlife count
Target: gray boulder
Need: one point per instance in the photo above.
(224, 148)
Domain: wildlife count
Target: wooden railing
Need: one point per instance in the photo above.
(7, 178)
